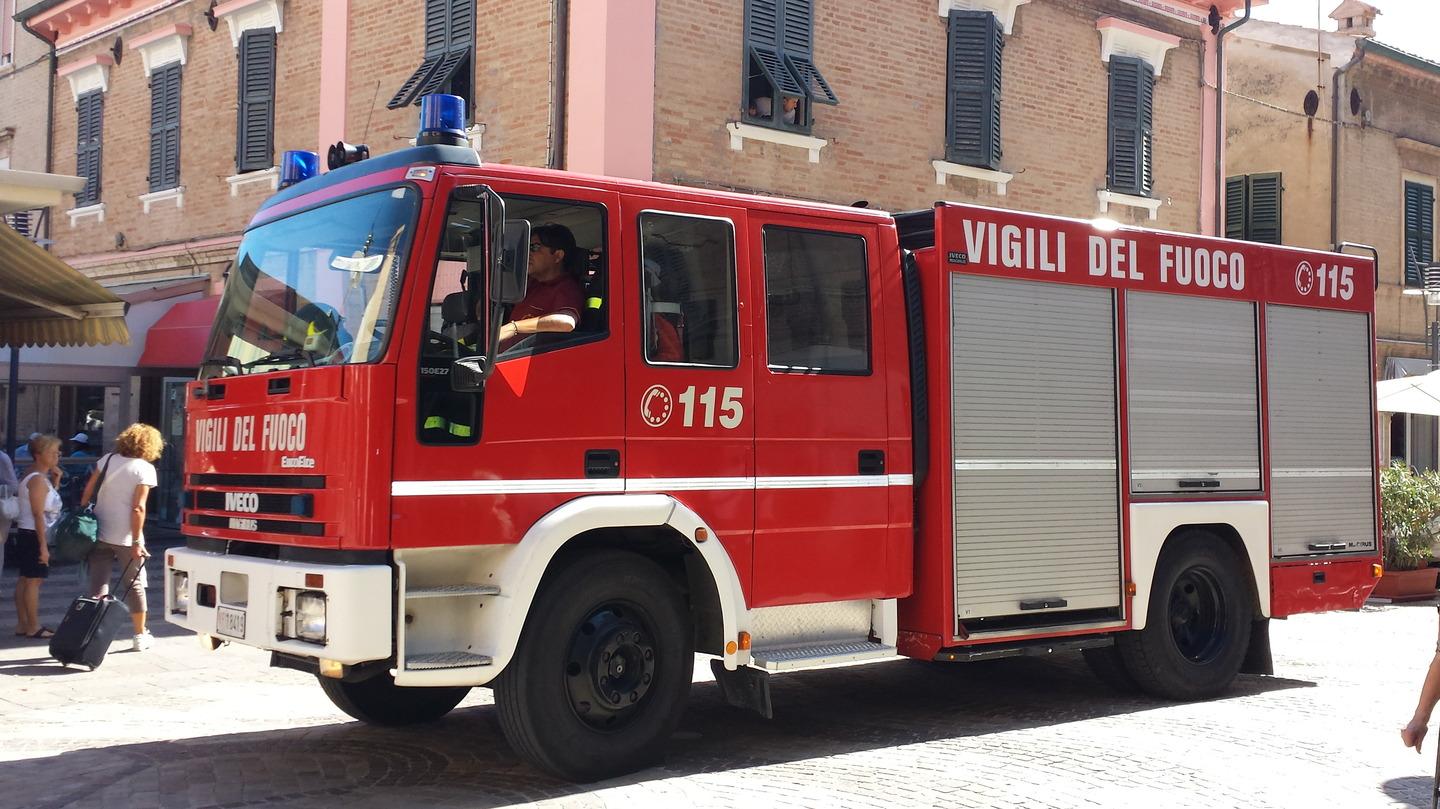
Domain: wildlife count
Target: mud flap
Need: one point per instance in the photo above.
(1258, 659)
(745, 687)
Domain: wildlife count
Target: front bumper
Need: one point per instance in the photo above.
(359, 599)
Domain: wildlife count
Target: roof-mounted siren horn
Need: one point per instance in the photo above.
(343, 154)
(442, 121)
(298, 166)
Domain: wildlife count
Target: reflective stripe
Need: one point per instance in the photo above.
(414, 488)
(594, 303)
(434, 423)
(460, 430)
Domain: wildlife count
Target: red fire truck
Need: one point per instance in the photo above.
(781, 434)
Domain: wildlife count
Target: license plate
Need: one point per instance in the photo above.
(230, 621)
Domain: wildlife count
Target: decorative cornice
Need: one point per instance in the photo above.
(91, 73)
(244, 15)
(1004, 10)
(1124, 38)
(163, 46)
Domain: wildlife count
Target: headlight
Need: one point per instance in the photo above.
(310, 616)
(179, 592)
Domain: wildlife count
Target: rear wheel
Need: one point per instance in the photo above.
(1198, 626)
(602, 672)
(379, 701)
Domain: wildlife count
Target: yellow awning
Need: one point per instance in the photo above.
(44, 301)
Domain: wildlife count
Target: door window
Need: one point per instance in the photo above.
(688, 277)
(817, 302)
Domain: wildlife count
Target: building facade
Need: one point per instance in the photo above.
(1335, 137)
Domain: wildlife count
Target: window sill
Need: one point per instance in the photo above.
(177, 193)
(270, 177)
(1108, 198)
(739, 133)
(97, 211)
(945, 170)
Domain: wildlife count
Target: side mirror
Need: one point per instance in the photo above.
(467, 374)
(510, 276)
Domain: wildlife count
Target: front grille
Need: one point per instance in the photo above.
(259, 481)
(290, 505)
(308, 529)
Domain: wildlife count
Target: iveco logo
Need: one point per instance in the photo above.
(248, 502)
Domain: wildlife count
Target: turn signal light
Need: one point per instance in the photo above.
(1130, 589)
(1376, 571)
(730, 648)
(333, 669)
(745, 641)
(315, 581)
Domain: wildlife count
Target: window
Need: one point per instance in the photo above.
(165, 127)
(89, 123)
(7, 32)
(781, 80)
(688, 270)
(972, 119)
(447, 66)
(255, 123)
(1252, 207)
(1419, 231)
(1132, 100)
(817, 302)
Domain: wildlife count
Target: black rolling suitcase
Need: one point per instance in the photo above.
(90, 625)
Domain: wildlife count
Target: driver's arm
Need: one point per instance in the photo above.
(558, 322)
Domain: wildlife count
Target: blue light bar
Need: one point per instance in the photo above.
(442, 119)
(297, 166)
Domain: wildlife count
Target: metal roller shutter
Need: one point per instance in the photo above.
(1036, 494)
(1322, 488)
(1191, 369)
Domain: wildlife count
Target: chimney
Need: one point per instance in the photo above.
(1355, 18)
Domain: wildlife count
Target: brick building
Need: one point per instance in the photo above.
(1345, 152)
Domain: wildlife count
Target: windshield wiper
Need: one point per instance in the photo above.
(283, 356)
(223, 362)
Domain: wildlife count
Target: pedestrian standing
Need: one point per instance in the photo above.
(1413, 734)
(39, 509)
(8, 486)
(129, 475)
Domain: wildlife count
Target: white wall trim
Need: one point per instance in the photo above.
(97, 211)
(164, 51)
(270, 177)
(944, 170)
(1108, 198)
(1124, 38)
(740, 132)
(177, 193)
(1004, 10)
(90, 77)
(246, 15)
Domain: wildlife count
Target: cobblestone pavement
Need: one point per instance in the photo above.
(179, 726)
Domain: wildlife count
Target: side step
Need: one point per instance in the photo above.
(453, 590)
(445, 660)
(811, 655)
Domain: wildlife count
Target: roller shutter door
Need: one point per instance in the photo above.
(1192, 375)
(1036, 492)
(1322, 487)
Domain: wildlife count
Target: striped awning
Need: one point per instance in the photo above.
(45, 302)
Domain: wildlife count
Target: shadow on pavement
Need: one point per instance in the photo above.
(818, 714)
(1412, 791)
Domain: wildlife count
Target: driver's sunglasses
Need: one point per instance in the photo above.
(535, 246)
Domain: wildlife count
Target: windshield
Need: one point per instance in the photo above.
(316, 288)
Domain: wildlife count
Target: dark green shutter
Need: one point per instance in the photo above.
(797, 23)
(1132, 100)
(1263, 220)
(459, 44)
(437, 26)
(89, 117)
(972, 127)
(255, 128)
(1419, 231)
(762, 43)
(165, 127)
(1235, 207)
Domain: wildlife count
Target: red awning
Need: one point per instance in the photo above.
(178, 338)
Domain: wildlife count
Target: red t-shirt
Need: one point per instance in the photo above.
(561, 296)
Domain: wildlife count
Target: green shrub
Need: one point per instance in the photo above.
(1409, 508)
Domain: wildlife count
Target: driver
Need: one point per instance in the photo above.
(553, 297)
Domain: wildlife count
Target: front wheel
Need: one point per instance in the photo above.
(602, 671)
(1198, 627)
(379, 701)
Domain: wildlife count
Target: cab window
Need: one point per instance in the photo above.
(687, 266)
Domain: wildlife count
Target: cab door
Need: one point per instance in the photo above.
(822, 507)
(689, 406)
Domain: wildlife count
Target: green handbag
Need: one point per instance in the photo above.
(74, 535)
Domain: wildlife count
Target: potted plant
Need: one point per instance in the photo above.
(1409, 509)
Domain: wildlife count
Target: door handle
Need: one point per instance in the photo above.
(602, 463)
(872, 461)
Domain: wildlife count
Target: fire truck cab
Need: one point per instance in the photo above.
(779, 434)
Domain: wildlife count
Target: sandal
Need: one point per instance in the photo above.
(42, 633)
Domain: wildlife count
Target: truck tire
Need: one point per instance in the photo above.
(602, 671)
(1198, 627)
(1108, 667)
(379, 701)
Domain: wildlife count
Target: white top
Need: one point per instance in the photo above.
(115, 501)
(26, 519)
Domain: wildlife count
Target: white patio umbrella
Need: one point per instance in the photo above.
(1410, 394)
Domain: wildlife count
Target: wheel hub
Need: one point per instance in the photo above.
(1197, 615)
(610, 667)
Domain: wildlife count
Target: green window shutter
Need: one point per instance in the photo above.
(763, 44)
(255, 127)
(459, 45)
(1131, 119)
(164, 127)
(1419, 231)
(437, 27)
(972, 130)
(172, 126)
(89, 118)
(1263, 220)
(1235, 213)
(797, 47)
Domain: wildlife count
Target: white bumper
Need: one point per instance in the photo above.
(359, 603)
